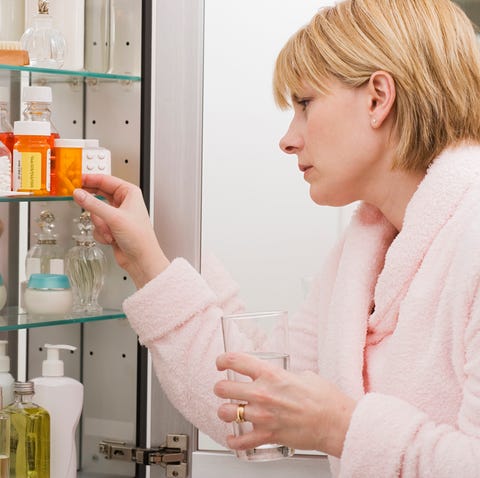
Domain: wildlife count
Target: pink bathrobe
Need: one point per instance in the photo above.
(394, 320)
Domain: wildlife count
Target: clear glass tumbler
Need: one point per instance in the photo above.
(264, 335)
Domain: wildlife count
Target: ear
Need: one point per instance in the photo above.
(381, 94)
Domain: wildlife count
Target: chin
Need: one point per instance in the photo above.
(330, 200)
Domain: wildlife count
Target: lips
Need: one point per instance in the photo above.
(304, 167)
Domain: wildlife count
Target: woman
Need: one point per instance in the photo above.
(386, 349)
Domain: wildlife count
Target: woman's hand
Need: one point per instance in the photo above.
(124, 223)
(301, 411)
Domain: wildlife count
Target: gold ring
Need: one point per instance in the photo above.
(240, 413)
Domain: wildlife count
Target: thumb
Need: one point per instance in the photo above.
(91, 203)
(99, 212)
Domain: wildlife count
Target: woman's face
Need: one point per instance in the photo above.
(338, 151)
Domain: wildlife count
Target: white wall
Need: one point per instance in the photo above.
(257, 214)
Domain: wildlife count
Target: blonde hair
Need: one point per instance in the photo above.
(428, 46)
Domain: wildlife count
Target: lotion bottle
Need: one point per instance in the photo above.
(63, 398)
(6, 379)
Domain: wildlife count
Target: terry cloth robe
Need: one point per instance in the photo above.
(393, 320)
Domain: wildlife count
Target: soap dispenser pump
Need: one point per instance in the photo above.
(63, 398)
(6, 379)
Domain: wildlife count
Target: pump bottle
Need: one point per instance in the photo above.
(6, 379)
(63, 398)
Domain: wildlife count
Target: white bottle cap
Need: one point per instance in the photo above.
(53, 366)
(40, 94)
(4, 95)
(69, 143)
(92, 143)
(31, 128)
(4, 358)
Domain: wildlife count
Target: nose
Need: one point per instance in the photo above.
(291, 143)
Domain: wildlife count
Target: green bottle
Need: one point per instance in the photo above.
(29, 435)
(4, 439)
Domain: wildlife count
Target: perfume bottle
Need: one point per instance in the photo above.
(45, 44)
(46, 256)
(85, 266)
(29, 434)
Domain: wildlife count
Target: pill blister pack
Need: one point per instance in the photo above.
(96, 161)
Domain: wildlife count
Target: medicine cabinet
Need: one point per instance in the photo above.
(113, 108)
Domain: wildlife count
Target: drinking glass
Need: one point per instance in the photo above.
(264, 335)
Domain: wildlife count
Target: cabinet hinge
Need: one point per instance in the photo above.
(173, 455)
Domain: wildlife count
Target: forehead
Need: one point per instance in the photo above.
(325, 87)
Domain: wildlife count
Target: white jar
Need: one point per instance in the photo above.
(3, 293)
(48, 295)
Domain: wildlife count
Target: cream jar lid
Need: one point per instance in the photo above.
(48, 281)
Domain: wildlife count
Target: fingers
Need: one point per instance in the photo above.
(233, 390)
(228, 412)
(259, 434)
(102, 184)
(98, 211)
(249, 440)
(102, 232)
(242, 363)
(251, 413)
(91, 203)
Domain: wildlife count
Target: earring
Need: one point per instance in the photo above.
(374, 121)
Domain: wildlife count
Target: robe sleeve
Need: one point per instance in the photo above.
(177, 317)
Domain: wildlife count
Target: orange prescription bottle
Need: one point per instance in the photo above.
(31, 157)
(6, 130)
(68, 154)
(38, 100)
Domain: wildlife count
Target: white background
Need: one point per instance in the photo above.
(257, 215)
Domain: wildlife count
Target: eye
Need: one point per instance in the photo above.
(303, 103)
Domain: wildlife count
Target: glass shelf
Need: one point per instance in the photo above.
(31, 197)
(81, 74)
(12, 319)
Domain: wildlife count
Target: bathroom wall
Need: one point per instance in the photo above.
(257, 216)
